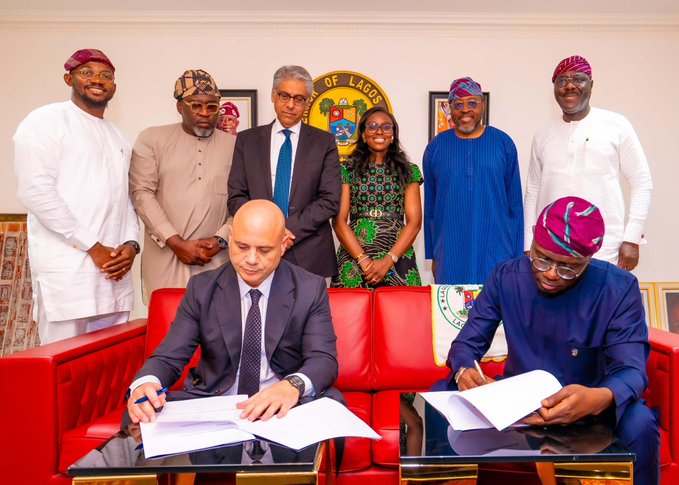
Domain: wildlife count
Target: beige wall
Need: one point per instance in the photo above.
(634, 63)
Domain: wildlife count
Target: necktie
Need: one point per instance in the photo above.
(257, 452)
(281, 191)
(250, 357)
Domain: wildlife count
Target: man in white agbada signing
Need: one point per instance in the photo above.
(72, 167)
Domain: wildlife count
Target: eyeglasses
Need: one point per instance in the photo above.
(90, 74)
(578, 80)
(459, 105)
(196, 107)
(564, 272)
(373, 126)
(285, 97)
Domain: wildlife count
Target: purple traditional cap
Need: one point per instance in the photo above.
(570, 226)
(87, 55)
(464, 86)
(572, 63)
(229, 109)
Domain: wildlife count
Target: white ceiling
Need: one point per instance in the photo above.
(570, 7)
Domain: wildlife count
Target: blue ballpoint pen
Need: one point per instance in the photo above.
(144, 399)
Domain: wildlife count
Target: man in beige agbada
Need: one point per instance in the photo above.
(178, 185)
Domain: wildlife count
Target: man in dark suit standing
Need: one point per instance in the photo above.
(264, 328)
(297, 167)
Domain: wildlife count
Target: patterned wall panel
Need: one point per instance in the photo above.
(17, 329)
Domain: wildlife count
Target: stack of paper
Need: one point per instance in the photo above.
(197, 424)
(498, 404)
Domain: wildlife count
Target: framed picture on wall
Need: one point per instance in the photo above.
(439, 112)
(668, 296)
(650, 308)
(245, 103)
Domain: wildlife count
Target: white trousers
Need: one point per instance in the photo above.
(53, 331)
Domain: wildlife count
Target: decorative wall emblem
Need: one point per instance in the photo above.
(339, 100)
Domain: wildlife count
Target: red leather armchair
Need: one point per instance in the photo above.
(63, 399)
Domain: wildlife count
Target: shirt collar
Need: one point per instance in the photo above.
(264, 288)
(278, 127)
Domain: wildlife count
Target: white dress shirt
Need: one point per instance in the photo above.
(585, 159)
(277, 140)
(72, 171)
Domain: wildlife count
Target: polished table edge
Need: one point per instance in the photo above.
(260, 477)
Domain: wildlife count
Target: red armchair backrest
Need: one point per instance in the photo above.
(351, 315)
(403, 347)
(162, 311)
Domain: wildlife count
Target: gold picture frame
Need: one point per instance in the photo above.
(667, 294)
(648, 298)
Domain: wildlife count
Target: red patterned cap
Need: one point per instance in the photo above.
(87, 55)
(229, 109)
(572, 63)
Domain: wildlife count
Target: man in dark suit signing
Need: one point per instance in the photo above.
(263, 324)
(297, 167)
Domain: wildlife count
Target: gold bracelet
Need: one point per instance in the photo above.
(365, 256)
(359, 256)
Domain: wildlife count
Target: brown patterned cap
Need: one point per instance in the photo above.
(194, 82)
(87, 55)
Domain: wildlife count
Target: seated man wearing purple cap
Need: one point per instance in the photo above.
(583, 153)
(580, 319)
(228, 118)
(473, 209)
(72, 165)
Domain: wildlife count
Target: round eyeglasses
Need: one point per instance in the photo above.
(373, 126)
(88, 73)
(564, 272)
(578, 80)
(460, 105)
(285, 97)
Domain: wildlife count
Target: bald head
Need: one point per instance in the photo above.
(257, 240)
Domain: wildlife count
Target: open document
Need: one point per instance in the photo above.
(498, 404)
(197, 424)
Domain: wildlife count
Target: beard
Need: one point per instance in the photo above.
(93, 102)
(203, 132)
(467, 129)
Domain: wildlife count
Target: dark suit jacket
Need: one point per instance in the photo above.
(315, 191)
(299, 335)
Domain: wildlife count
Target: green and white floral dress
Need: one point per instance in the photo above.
(377, 218)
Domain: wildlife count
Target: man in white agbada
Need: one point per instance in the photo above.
(72, 168)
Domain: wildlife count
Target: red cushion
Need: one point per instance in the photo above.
(351, 311)
(403, 348)
(357, 454)
(79, 441)
(162, 311)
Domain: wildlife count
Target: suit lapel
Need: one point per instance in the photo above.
(281, 302)
(302, 154)
(227, 306)
(265, 157)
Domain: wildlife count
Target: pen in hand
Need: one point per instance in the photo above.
(478, 369)
(145, 398)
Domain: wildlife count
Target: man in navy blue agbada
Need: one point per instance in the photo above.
(580, 319)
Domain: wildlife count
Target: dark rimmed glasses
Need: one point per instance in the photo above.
(373, 126)
(285, 97)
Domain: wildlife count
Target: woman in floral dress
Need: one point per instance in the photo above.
(380, 188)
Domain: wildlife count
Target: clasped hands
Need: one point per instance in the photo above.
(275, 400)
(569, 404)
(197, 252)
(114, 262)
(375, 270)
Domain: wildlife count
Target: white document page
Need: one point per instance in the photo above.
(461, 415)
(310, 423)
(169, 438)
(217, 409)
(498, 404)
(506, 401)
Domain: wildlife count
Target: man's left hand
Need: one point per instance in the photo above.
(121, 262)
(571, 403)
(628, 255)
(276, 399)
(289, 238)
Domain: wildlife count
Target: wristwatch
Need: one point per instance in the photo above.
(222, 242)
(393, 257)
(134, 244)
(297, 382)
